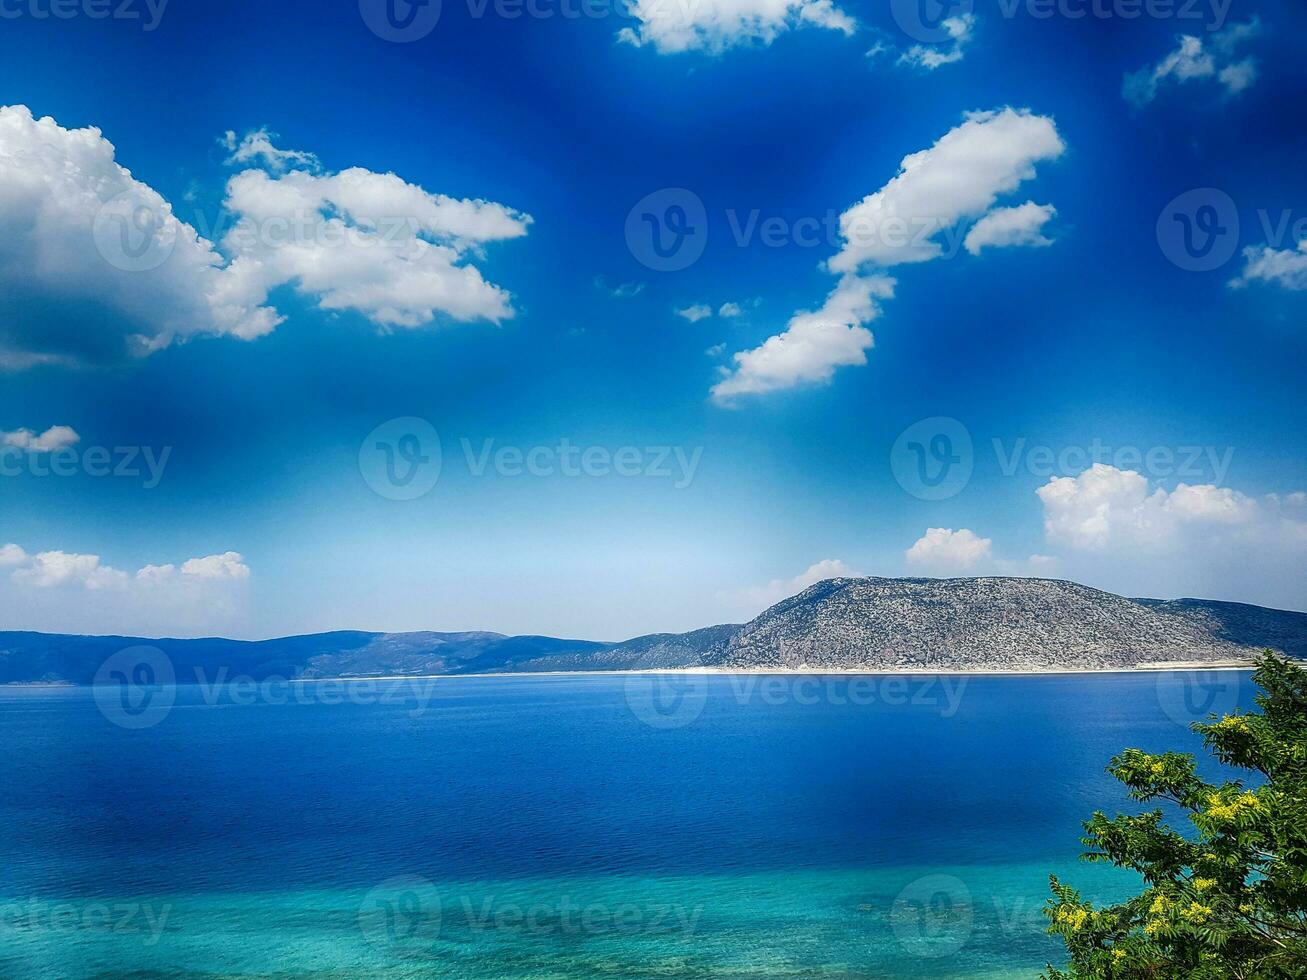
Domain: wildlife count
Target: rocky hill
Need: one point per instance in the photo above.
(998, 623)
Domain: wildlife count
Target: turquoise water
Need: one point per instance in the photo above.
(560, 827)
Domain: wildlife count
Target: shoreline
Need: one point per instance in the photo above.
(1164, 666)
(1160, 667)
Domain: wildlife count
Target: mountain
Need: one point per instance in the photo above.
(838, 624)
(53, 658)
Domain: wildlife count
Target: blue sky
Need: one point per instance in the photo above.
(1059, 147)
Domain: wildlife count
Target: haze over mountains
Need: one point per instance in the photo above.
(838, 624)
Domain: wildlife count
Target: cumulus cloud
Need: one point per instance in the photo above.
(369, 242)
(96, 267)
(52, 569)
(713, 26)
(752, 600)
(1105, 507)
(932, 56)
(55, 568)
(1195, 58)
(229, 566)
(943, 549)
(1286, 267)
(958, 179)
(1006, 227)
(52, 439)
(813, 344)
(695, 312)
(730, 310)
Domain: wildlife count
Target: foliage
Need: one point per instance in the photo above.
(1228, 898)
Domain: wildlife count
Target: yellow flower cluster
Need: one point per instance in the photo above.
(1246, 800)
(1072, 916)
(1232, 723)
(1195, 913)
(1202, 884)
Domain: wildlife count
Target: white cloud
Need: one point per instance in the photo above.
(1109, 508)
(50, 569)
(369, 242)
(878, 47)
(1238, 76)
(960, 177)
(156, 574)
(730, 309)
(94, 266)
(53, 569)
(716, 350)
(623, 290)
(255, 147)
(713, 26)
(695, 313)
(229, 565)
(752, 600)
(1195, 58)
(54, 438)
(813, 344)
(1103, 505)
(932, 56)
(1286, 268)
(946, 550)
(1004, 227)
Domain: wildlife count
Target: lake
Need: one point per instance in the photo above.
(566, 826)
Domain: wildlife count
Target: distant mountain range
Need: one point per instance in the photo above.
(838, 624)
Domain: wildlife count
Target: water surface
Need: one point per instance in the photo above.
(569, 826)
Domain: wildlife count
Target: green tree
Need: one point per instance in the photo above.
(1229, 897)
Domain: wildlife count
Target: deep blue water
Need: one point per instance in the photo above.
(837, 827)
